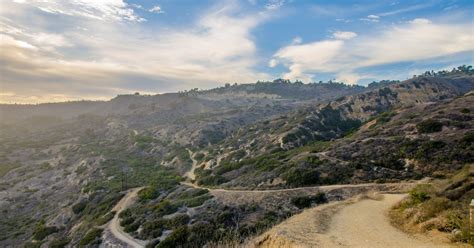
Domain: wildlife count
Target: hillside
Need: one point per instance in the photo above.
(383, 120)
(66, 165)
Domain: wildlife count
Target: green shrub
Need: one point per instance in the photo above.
(199, 156)
(268, 220)
(42, 232)
(432, 207)
(153, 229)
(165, 207)
(32, 245)
(301, 177)
(59, 243)
(195, 201)
(226, 166)
(148, 193)
(177, 221)
(131, 227)
(152, 244)
(429, 126)
(79, 207)
(127, 221)
(465, 111)
(468, 138)
(105, 218)
(418, 197)
(308, 201)
(211, 180)
(92, 237)
(178, 238)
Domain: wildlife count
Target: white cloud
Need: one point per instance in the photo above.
(274, 4)
(416, 40)
(371, 18)
(93, 9)
(344, 35)
(103, 59)
(420, 21)
(156, 9)
(407, 9)
(272, 63)
(297, 40)
(300, 59)
(349, 77)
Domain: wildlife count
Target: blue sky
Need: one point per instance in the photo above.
(90, 49)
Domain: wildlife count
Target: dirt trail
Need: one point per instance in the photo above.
(114, 225)
(324, 187)
(190, 174)
(345, 224)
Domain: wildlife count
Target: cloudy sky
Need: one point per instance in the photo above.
(59, 50)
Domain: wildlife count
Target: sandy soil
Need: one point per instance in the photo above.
(351, 223)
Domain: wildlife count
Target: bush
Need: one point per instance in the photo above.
(59, 243)
(132, 227)
(42, 232)
(418, 197)
(152, 229)
(211, 180)
(92, 237)
(297, 177)
(127, 221)
(177, 221)
(429, 126)
(465, 111)
(105, 218)
(79, 207)
(165, 207)
(308, 201)
(148, 193)
(178, 238)
(432, 207)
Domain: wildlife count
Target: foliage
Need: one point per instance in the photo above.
(59, 243)
(429, 126)
(92, 237)
(418, 197)
(43, 231)
(178, 238)
(465, 111)
(302, 176)
(79, 207)
(308, 201)
(148, 193)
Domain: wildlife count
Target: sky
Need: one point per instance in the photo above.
(65, 50)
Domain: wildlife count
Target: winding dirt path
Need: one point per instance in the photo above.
(190, 173)
(114, 225)
(358, 224)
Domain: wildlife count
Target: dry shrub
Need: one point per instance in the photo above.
(371, 195)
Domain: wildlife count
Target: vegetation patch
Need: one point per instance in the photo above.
(309, 201)
(91, 238)
(443, 206)
(42, 231)
(429, 126)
